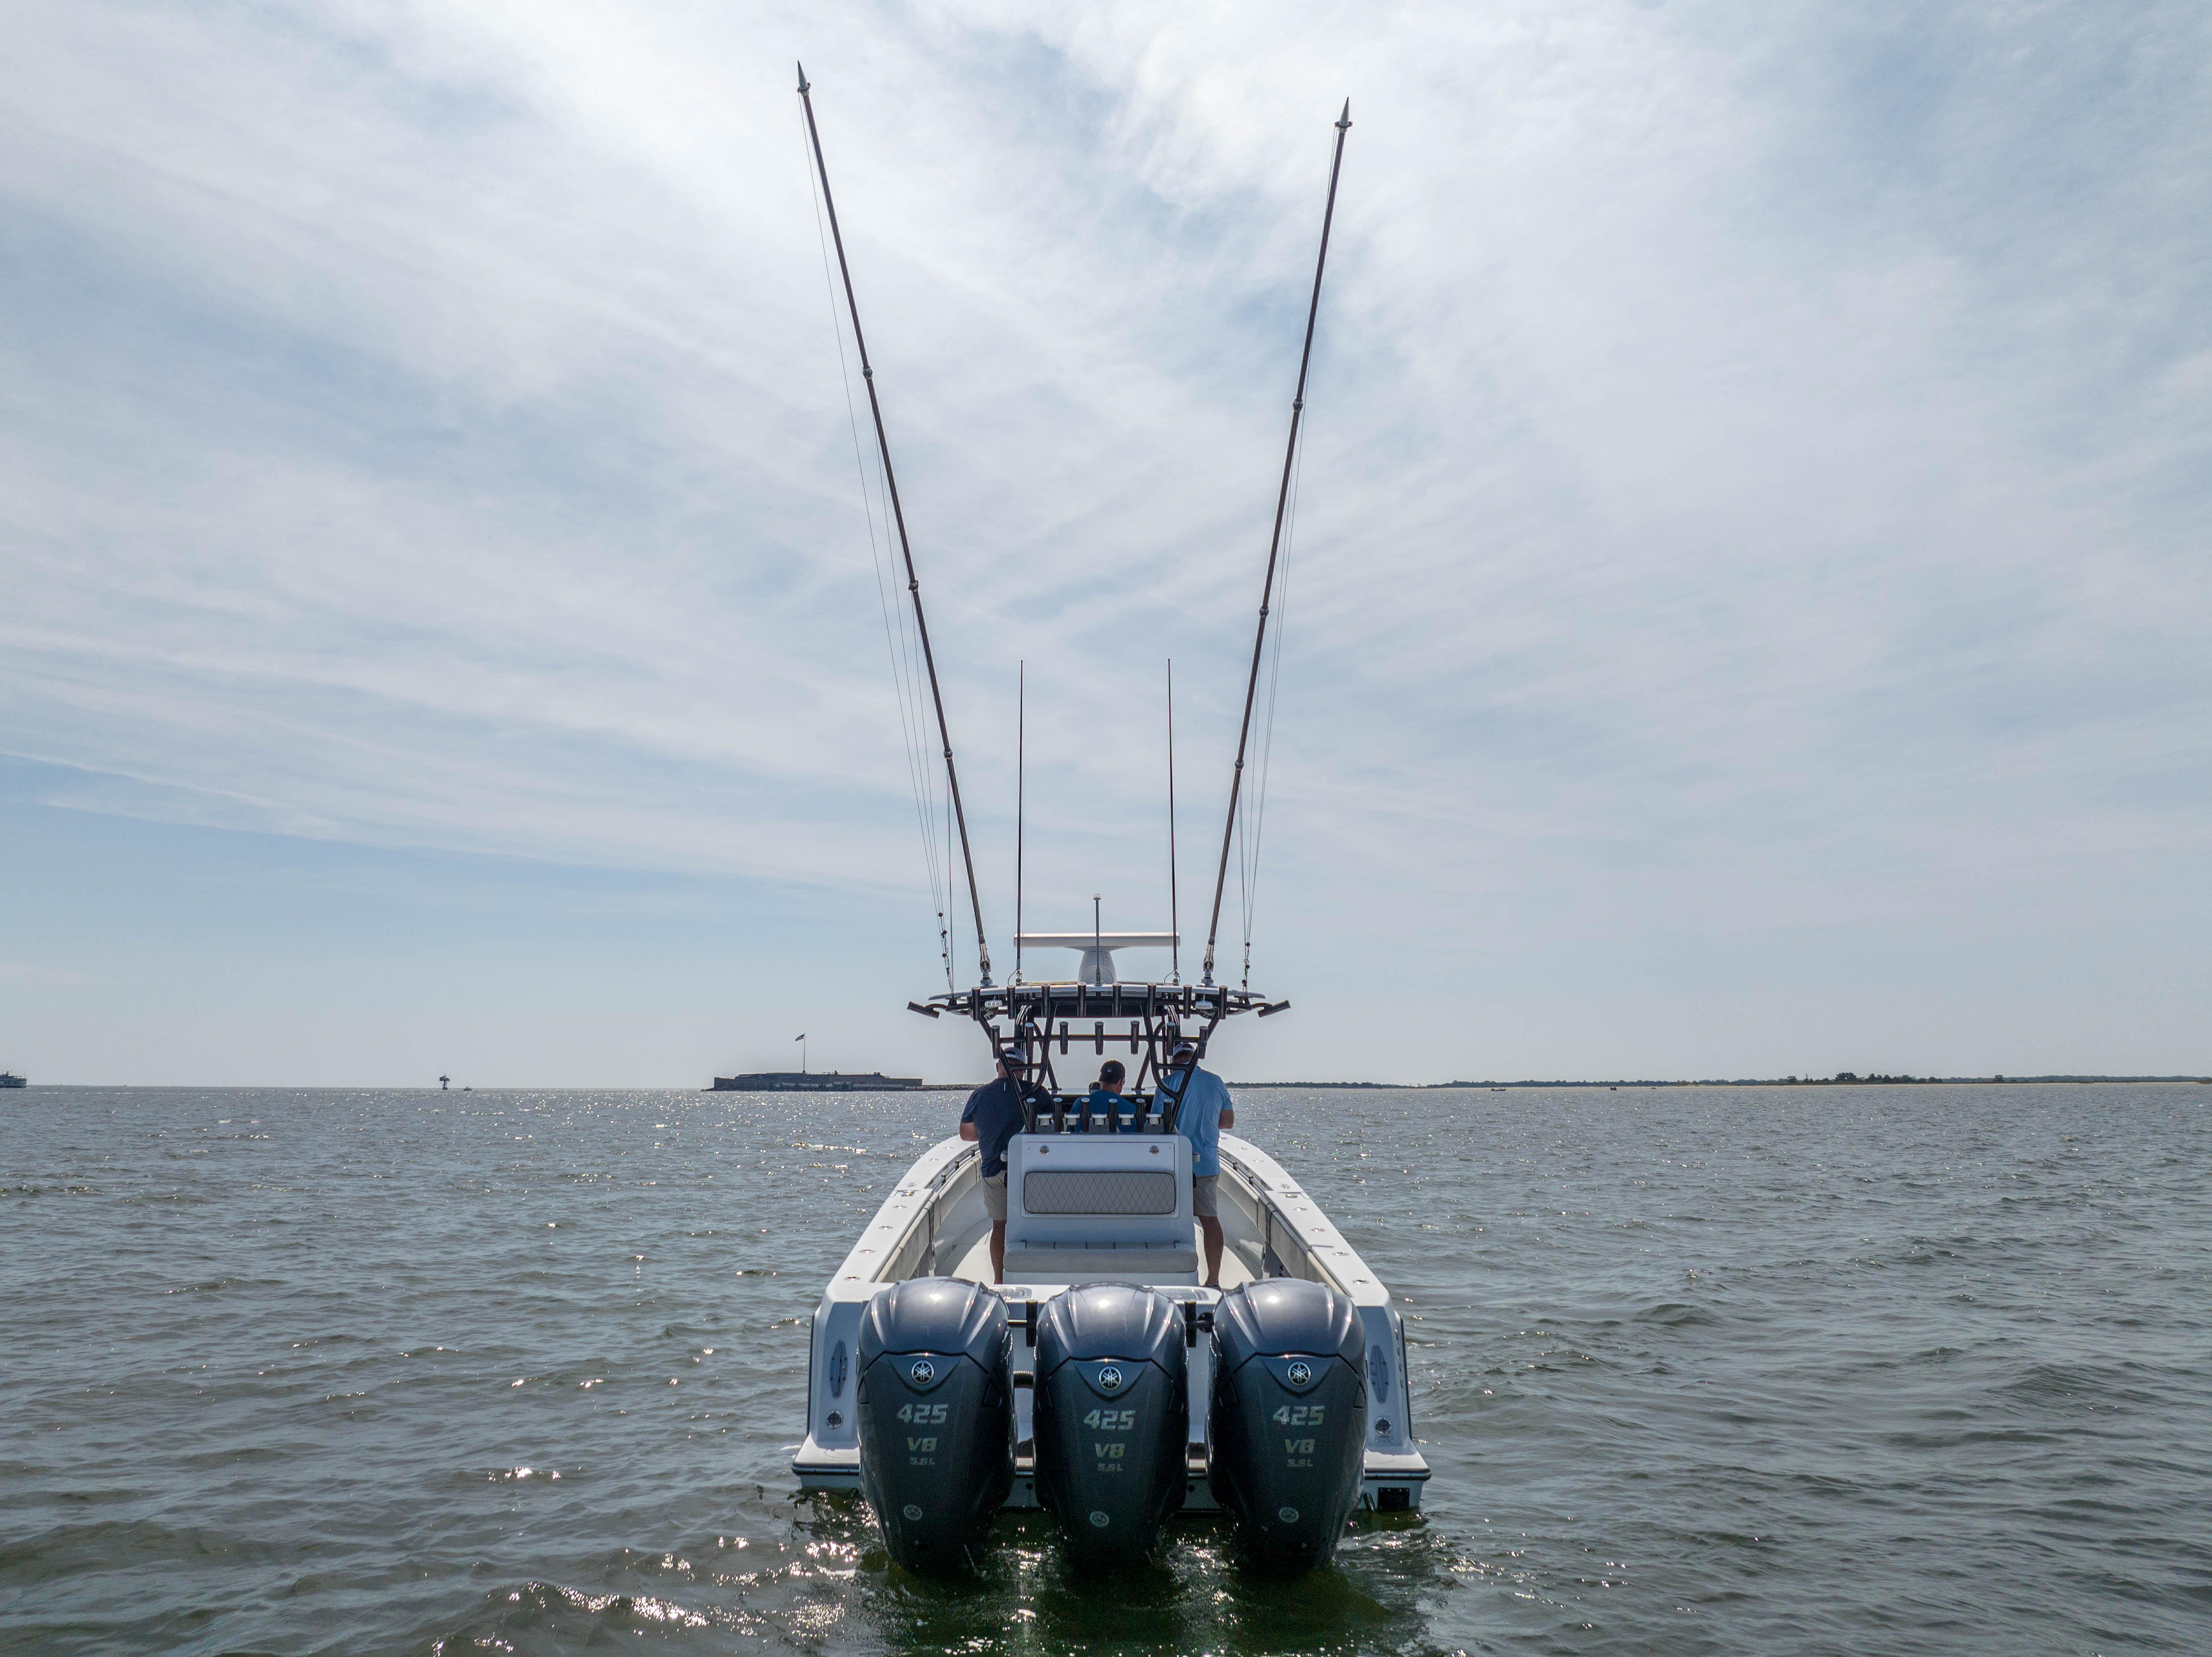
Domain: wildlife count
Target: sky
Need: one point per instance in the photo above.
(1746, 613)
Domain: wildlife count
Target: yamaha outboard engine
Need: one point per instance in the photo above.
(1290, 1417)
(1112, 1416)
(935, 1415)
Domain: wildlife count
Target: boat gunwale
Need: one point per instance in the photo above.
(883, 1241)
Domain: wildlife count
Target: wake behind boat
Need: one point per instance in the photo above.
(1102, 1374)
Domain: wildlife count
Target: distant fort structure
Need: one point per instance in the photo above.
(802, 1081)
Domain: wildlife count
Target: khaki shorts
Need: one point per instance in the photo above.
(994, 1196)
(1204, 1196)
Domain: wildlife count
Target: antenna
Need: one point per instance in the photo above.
(898, 514)
(1175, 921)
(1021, 797)
(1097, 938)
(1274, 545)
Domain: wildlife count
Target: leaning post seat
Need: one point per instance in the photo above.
(1093, 1205)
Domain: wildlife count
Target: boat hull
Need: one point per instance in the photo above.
(934, 1222)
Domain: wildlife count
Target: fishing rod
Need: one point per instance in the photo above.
(1274, 544)
(1174, 918)
(912, 581)
(1021, 799)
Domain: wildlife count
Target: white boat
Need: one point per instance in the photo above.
(1100, 1377)
(934, 1224)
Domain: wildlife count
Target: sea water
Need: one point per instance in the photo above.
(1908, 1369)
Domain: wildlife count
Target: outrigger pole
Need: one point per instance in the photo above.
(1274, 545)
(1021, 799)
(1174, 904)
(913, 581)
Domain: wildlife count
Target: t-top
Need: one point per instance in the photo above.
(1197, 1119)
(996, 1109)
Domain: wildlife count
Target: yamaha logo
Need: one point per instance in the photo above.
(923, 1373)
(1300, 1374)
(1110, 1377)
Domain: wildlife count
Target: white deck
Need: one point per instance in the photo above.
(975, 1264)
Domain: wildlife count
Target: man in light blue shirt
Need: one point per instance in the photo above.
(1203, 1110)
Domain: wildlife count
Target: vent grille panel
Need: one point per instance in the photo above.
(1098, 1190)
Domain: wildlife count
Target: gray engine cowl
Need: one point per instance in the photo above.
(1112, 1416)
(935, 1414)
(1289, 1418)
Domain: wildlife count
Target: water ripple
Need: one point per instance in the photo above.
(1700, 1371)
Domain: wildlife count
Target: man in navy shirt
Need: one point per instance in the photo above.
(993, 1116)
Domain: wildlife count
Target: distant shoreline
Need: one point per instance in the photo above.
(1378, 1087)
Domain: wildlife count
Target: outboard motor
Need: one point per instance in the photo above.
(1290, 1417)
(1112, 1416)
(935, 1412)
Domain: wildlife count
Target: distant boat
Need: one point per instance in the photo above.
(815, 1082)
(9, 1079)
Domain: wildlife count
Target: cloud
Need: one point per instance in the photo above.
(1756, 466)
(16, 972)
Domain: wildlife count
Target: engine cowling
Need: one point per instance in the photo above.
(1112, 1416)
(935, 1414)
(1289, 1418)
